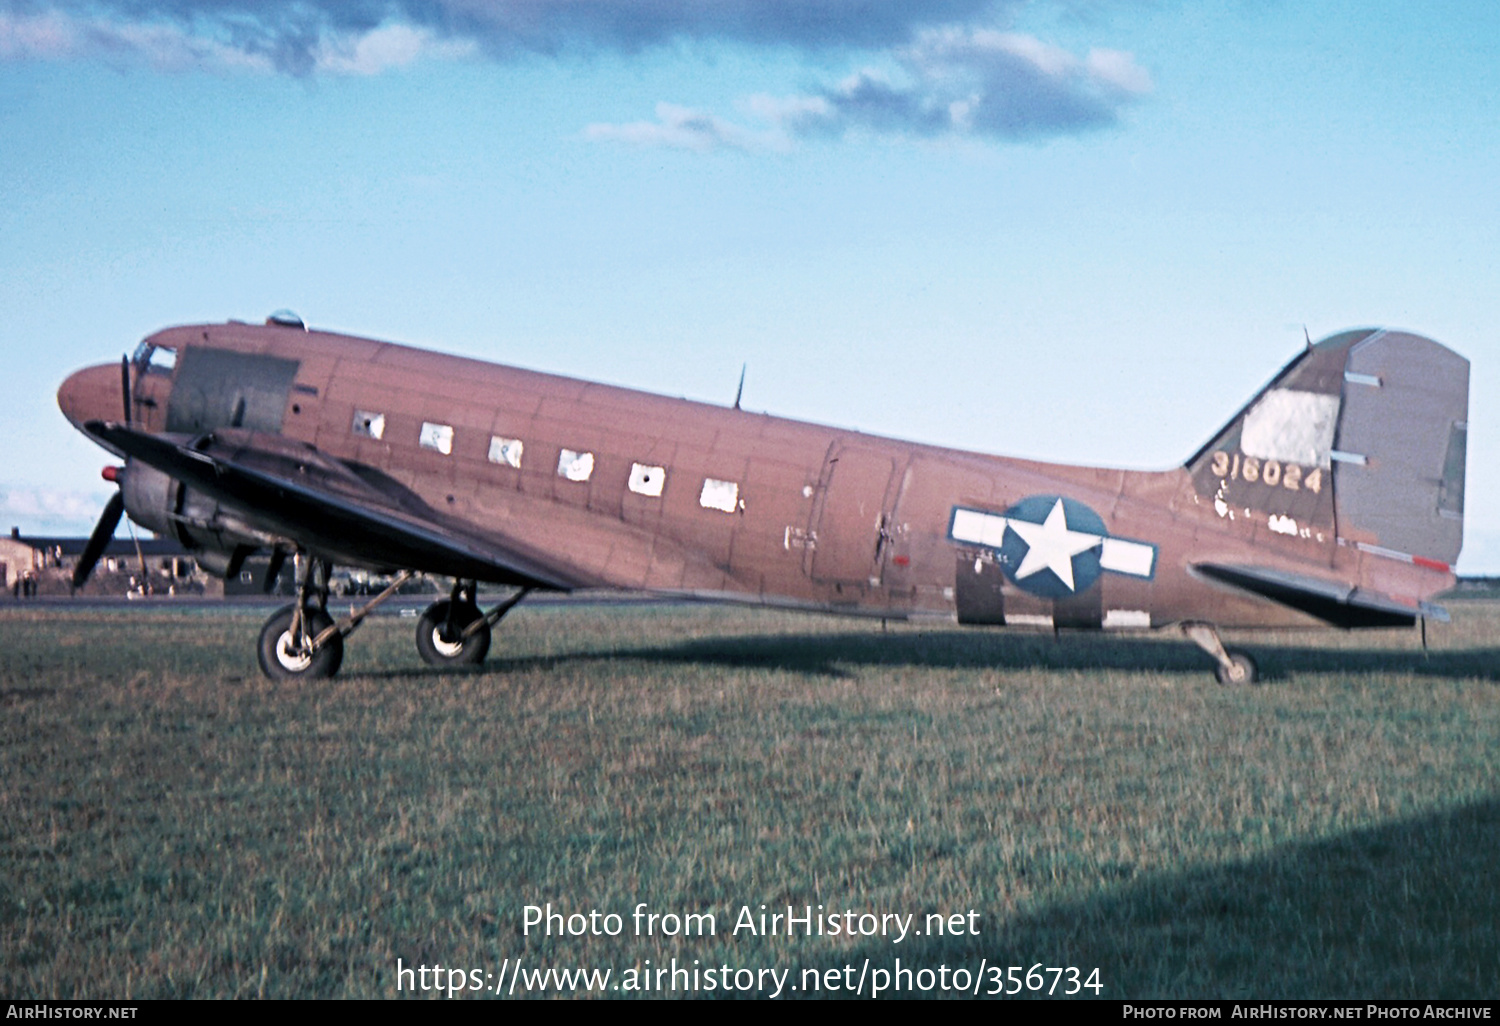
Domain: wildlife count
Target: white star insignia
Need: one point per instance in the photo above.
(1050, 545)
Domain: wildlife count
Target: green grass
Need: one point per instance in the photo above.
(173, 825)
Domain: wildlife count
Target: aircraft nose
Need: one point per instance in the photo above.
(94, 393)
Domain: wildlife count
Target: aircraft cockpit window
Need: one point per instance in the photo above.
(575, 466)
(437, 437)
(370, 425)
(154, 359)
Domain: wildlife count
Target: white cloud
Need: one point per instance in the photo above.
(387, 47)
(937, 69)
(1119, 69)
(166, 46)
(296, 35)
(55, 35)
(954, 81)
(40, 510)
(39, 36)
(684, 128)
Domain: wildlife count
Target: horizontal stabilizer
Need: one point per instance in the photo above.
(1330, 601)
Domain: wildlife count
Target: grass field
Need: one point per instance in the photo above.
(172, 825)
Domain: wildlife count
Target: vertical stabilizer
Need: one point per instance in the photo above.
(1361, 436)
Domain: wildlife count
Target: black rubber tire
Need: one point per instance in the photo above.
(1248, 674)
(438, 650)
(279, 662)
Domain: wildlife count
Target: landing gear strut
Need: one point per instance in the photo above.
(286, 650)
(1235, 667)
(301, 641)
(454, 632)
(290, 646)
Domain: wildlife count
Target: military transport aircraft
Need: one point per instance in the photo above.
(1335, 496)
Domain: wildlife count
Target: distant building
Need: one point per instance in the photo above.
(251, 579)
(168, 567)
(17, 558)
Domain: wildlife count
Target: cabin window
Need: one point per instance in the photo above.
(646, 480)
(438, 437)
(575, 466)
(720, 495)
(370, 425)
(506, 451)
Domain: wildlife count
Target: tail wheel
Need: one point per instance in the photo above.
(441, 639)
(1240, 671)
(284, 656)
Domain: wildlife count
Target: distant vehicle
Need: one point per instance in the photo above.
(1335, 496)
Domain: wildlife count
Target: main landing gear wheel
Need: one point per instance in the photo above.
(284, 656)
(1241, 670)
(440, 635)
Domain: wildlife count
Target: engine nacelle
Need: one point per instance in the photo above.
(219, 539)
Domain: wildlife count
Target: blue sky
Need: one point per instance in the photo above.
(1077, 230)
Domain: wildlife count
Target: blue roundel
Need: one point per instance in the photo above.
(1052, 545)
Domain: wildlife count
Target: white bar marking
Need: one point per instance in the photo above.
(1027, 620)
(1128, 557)
(1127, 618)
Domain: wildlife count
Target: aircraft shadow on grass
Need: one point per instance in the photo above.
(1404, 910)
(834, 655)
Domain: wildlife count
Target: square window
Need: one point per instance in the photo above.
(438, 437)
(506, 451)
(720, 495)
(646, 480)
(161, 360)
(371, 425)
(575, 466)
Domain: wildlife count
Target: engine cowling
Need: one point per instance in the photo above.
(218, 538)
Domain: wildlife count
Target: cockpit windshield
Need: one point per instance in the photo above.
(150, 358)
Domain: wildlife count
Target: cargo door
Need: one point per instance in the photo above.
(850, 517)
(214, 388)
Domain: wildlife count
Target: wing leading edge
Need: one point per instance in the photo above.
(292, 490)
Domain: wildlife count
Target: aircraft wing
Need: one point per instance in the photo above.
(292, 490)
(1332, 602)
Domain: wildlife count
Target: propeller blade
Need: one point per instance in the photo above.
(125, 387)
(103, 532)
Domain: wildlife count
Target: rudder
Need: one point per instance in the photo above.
(1401, 446)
